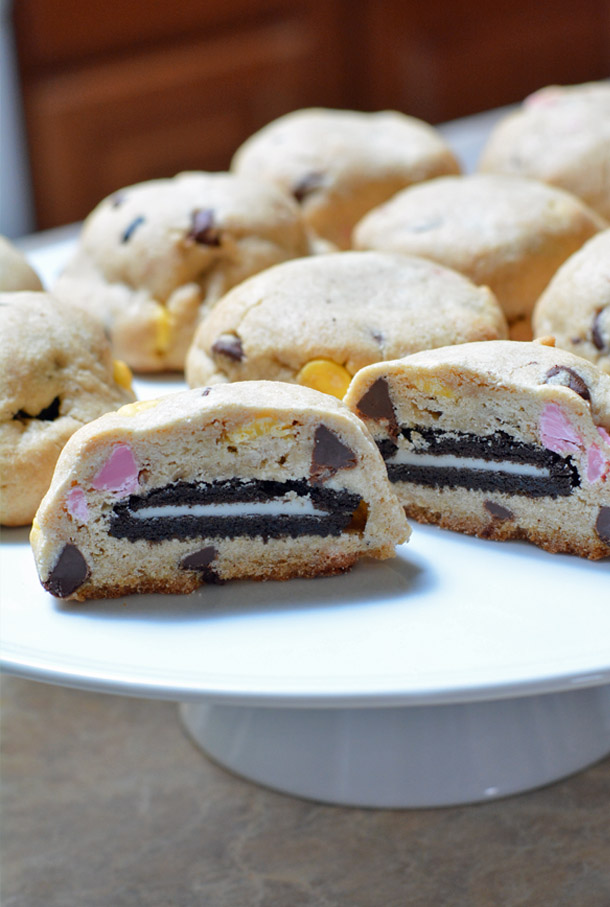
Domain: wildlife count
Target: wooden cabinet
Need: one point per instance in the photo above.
(122, 92)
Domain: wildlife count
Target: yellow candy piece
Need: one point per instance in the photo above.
(326, 376)
(163, 329)
(132, 409)
(263, 423)
(121, 374)
(34, 532)
(434, 387)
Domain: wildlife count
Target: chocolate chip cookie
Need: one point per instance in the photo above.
(16, 273)
(506, 232)
(504, 440)
(575, 307)
(154, 256)
(560, 135)
(256, 480)
(56, 374)
(317, 320)
(338, 164)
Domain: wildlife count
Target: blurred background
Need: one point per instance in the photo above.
(96, 96)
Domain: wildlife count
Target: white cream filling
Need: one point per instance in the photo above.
(296, 506)
(408, 457)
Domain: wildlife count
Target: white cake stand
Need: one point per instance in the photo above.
(461, 671)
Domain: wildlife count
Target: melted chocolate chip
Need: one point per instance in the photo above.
(68, 574)
(561, 374)
(48, 414)
(498, 511)
(203, 229)
(130, 230)
(307, 184)
(602, 525)
(597, 329)
(200, 561)
(329, 455)
(229, 345)
(377, 404)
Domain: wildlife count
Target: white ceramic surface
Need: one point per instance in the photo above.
(462, 670)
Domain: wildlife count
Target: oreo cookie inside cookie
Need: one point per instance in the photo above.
(229, 509)
(495, 462)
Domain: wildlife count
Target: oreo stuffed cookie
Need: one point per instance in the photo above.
(56, 374)
(505, 232)
(317, 320)
(560, 135)
(504, 440)
(575, 307)
(338, 164)
(16, 273)
(153, 257)
(256, 480)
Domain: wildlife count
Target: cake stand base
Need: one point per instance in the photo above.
(411, 756)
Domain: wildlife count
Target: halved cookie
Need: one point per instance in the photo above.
(257, 480)
(503, 440)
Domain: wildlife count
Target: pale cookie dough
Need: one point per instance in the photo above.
(317, 320)
(339, 164)
(560, 135)
(16, 273)
(56, 374)
(575, 307)
(154, 256)
(506, 232)
(256, 480)
(504, 440)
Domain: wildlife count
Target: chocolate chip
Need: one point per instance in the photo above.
(602, 525)
(68, 574)
(48, 414)
(307, 184)
(203, 229)
(561, 374)
(229, 345)
(597, 329)
(130, 230)
(497, 511)
(329, 455)
(200, 562)
(377, 404)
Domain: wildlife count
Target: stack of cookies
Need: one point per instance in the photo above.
(357, 320)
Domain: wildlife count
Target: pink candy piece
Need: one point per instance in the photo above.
(556, 432)
(596, 464)
(119, 473)
(603, 434)
(77, 505)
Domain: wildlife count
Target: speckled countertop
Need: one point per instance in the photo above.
(107, 803)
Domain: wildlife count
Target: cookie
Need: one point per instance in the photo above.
(16, 273)
(575, 307)
(560, 135)
(504, 440)
(338, 164)
(506, 232)
(255, 480)
(317, 320)
(154, 256)
(56, 374)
